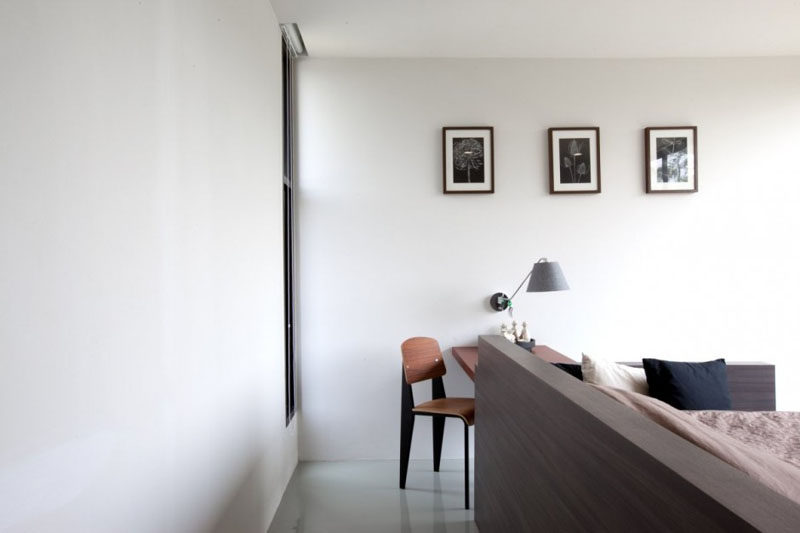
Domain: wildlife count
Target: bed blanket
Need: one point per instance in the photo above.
(764, 445)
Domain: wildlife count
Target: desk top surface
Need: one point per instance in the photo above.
(467, 357)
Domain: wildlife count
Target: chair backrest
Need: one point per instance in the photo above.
(422, 359)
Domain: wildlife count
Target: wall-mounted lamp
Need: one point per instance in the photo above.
(545, 276)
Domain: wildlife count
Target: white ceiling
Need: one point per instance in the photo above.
(538, 28)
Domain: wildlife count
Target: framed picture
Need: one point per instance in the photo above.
(574, 160)
(671, 159)
(468, 155)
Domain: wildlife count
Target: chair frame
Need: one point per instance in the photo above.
(407, 417)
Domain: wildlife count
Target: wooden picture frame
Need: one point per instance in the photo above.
(574, 160)
(468, 160)
(670, 159)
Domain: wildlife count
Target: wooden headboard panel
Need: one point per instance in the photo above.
(554, 455)
(752, 386)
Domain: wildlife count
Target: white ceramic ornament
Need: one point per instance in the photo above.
(505, 331)
(524, 337)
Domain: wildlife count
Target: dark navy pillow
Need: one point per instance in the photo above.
(572, 369)
(694, 386)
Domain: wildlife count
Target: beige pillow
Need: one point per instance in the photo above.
(601, 372)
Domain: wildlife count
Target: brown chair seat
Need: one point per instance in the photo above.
(463, 408)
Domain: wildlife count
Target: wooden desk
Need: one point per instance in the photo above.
(467, 357)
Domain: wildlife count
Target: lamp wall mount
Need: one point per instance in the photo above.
(499, 301)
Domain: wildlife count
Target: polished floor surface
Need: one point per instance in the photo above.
(362, 497)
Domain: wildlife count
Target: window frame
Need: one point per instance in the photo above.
(289, 306)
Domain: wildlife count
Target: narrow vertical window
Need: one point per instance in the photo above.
(288, 229)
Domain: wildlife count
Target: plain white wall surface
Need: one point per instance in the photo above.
(384, 255)
(141, 351)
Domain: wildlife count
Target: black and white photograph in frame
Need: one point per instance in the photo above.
(468, 157)
(671, 159)
(574, 160)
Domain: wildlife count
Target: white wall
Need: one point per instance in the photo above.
(141, 354)
(385, 255)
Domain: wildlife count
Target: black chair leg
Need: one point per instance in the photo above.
(406, 429)
(438, 437)
(466, 466)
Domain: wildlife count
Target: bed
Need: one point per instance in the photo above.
(553, 454)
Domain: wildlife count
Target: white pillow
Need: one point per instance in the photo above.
(600, 372)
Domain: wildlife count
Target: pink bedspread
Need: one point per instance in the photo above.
(775, 432)
(764, 445)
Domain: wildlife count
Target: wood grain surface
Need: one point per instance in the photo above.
(422, 359)
(554, 455)
(467, 357)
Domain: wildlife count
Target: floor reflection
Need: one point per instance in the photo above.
(362, 496)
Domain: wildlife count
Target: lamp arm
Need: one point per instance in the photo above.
(499, 301)
(541, 260)
(521, 284)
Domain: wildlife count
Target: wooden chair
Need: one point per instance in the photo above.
(422, 360)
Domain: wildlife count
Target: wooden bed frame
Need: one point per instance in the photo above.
(552, 454)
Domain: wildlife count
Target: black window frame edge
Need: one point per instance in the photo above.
(289, 285)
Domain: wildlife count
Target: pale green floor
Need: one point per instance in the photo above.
(363, 497)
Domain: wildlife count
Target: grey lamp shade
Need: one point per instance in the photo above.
(546, 276)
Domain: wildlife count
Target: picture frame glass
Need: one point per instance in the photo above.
(468, 160)
(574, 160)
(672, 158)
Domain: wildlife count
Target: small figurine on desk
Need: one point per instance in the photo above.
(524, 337)
(514, 330)
(505, 331)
